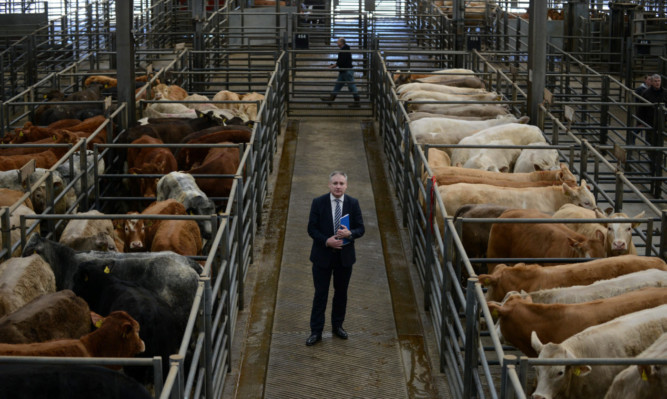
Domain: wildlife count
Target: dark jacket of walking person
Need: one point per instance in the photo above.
(654, 94)
(345, 74)
(331, 255)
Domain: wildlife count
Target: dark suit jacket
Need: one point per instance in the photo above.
(320, 228)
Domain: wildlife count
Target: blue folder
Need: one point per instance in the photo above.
(345, 221)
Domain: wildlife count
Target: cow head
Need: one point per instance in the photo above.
(619, 235)
(580, 196)
(120, 335)
(147, 185)
(133, 233)
(554, 381)
(589, 248)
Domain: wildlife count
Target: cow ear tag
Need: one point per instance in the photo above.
(487, 281)
(107, 270)
(21, 133)
(644, 376)
(577, 371)
(45, 96)
(494, 313)
(98, 323)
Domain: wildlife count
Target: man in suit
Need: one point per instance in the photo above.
(330, 256)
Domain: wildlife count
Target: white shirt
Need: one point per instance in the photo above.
(333, 207)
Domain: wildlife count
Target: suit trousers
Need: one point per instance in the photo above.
(322, 278)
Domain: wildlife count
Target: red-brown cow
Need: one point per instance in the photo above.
(149, 160)
(187, 157)
(539, 240)
(218, 161)
(535, 277)
(117, 336)
(518, 317)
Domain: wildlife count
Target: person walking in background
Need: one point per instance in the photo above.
(345, 74)
(332, 253)
(645, 85)
(655, 93)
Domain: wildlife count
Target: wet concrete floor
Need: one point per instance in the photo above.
(389, 353)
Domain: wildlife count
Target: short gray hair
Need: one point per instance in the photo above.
(656, 76)
(337, 172)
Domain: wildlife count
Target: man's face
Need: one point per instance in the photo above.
(337, 185)
(339, 43)
(656, 83)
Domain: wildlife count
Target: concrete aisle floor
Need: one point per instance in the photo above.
(385, 356)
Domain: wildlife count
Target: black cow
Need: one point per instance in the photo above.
(38, 381)
(160, 329)
(174, 277)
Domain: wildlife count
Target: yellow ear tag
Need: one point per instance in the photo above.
(106, 86)
(45, 96)
(107, 270)
(54, 138)
(494, 313)
(577, 371)
(149, 224)
(191, 213)
(98, 323)
(487, 281)
(21, 133)
(644, 376)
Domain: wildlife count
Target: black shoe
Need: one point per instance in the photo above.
(328, 99)
(313, 339)
(339, 332)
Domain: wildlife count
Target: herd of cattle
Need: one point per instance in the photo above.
(115, 288)
(614, 306)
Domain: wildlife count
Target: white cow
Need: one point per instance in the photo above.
(15, 224)
(531, 160)
(183, 188)
(543, 199)
(622, 337)
(424, 95)
(644, 380)
(516, 133)
(493, 159)
(442, 130)
(485, 111)
(602, 288)
(89, 234)
(417, 86)
(22, 280)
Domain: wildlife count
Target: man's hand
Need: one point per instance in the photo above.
(334, 242)
(343, 232)
(332, 66)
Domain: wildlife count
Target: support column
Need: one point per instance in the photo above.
(537, 56)
(125, 57)
(459, 24)
(198, 19)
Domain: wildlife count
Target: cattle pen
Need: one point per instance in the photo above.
(418, 317)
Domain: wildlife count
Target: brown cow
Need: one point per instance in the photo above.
(58, 137)
(475, 236)
(218, 161)
(117, 336)
(149, 160)
(44, 159)
(518, 317)
(60, 315)
(535, 277)
(539, 240)
(186, 157)
(138, 234)
(180, 236)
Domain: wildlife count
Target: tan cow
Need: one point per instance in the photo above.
(416, 86)
(543, 199)
(539, 240)
(22, 280)
(535, 277)
(452, 175)
(89, 234)
(518, 317)
(446, 130)
(618, 236)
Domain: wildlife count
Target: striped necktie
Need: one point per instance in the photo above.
(337, 216)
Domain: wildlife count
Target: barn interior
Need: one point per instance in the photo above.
(418, 318)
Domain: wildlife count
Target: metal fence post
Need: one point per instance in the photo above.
(472, 337)
(208, 340)
(663, 237)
